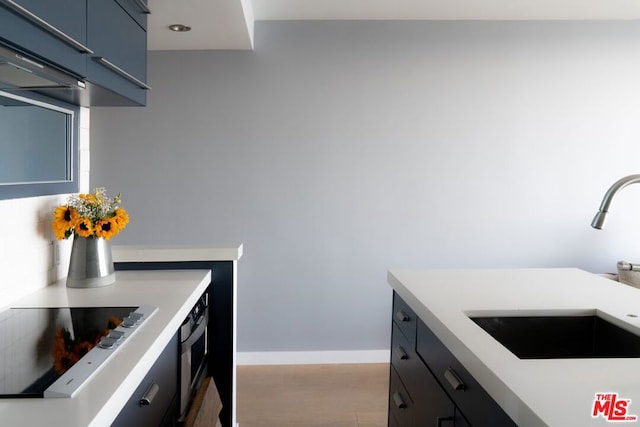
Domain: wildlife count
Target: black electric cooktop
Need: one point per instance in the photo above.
(52, 352)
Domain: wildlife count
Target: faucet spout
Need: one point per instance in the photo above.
(599, 219)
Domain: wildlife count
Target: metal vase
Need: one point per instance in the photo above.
(91, 263)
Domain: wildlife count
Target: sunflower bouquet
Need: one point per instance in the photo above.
(90, 215)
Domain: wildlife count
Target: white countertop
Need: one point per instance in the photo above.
(176, 253)
(100, 400)
(553, 392)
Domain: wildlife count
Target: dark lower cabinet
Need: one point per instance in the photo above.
(428, 386)
(415, 397)
(155, 401)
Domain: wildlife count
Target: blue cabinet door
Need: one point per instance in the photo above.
(119, 61)
(55, 32)
(137, 9)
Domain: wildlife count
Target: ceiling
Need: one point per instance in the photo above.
(228, 24)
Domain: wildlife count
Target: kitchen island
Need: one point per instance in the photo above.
(532, 392)
(222, 329)
(101, 398)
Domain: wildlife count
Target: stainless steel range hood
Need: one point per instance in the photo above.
(18, 71)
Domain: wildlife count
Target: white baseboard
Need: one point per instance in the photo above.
(311, 357)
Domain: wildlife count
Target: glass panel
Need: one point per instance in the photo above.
(35, 141)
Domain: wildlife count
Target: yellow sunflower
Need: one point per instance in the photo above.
(64, 219)
(121, 218)
(84, 228)
(58, 230)
(106, 228)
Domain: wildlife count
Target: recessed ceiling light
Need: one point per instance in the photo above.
(179, 28)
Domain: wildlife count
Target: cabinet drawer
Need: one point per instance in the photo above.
(405, 359)
(405, 318)
(161, 408)
(432, 405)
(468, 395)
(400, 404)
(431, 402)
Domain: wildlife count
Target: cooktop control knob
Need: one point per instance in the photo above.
(135, 315)
(116, 335)
(128, 322)
(106, 342)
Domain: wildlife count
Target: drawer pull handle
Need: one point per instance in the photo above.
(440, 420)
(454, 379)
(149, 394)
(26, 13)
(402, 352)
(122, 73)
(399, 401)
(402, 316)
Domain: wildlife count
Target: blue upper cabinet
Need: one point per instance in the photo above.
(103, 42)
(137, 9)
(116, 32)
(57, 35)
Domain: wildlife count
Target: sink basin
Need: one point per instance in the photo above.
(561, 337)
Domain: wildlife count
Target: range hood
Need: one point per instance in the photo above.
(18, 71)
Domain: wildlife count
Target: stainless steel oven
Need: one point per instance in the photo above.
(193, 352)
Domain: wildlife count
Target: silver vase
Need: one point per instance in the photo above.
(91, 264)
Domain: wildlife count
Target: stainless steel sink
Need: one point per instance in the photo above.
(561, 337)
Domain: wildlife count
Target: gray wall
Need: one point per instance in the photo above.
(336, 151)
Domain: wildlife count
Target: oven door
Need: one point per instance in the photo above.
(193, 352)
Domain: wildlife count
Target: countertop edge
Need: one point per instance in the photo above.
(148, 253)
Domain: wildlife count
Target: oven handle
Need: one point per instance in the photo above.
(196, 334)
